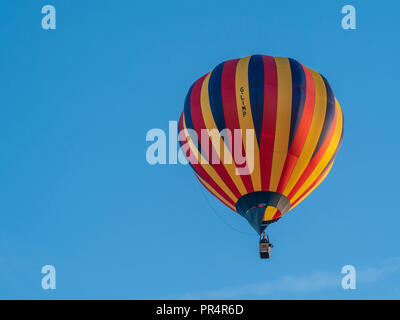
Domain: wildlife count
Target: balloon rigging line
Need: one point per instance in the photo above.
(219, 217)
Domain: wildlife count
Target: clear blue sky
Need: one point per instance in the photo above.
(76, 191)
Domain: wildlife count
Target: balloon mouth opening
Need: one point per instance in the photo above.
(253, 206)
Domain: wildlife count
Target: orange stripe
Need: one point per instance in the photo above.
(311, 188)
(314, 162)
(301, 133)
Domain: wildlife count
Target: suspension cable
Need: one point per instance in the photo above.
(219, 217)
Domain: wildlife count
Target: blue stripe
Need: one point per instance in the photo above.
(188, 119)
(298, 97)
(256, 92)
(336, 151)
(215, 96)
(329, 115)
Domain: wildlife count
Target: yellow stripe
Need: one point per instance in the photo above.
(246, 119)
(314, 132)
(211, 125)
(215, 193)
(206, 166)
(327, 156)
(316, 185)
(283, 116)
(269, 213)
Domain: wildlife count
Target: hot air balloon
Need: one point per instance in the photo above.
(298, 129)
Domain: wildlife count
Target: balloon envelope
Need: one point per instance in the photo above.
(296, 124)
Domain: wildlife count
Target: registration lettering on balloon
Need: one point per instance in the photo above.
(243, 104)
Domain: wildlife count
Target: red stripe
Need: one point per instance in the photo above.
(185, 146)
(197, 117)
(277, 215)
(230, 112)
(315, 160)
(269, 120)
(311, 186)
(229, 201)
(301, 133)
(207, 146)
(199, 169)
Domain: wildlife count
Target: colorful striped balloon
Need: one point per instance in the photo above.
(298, 129)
